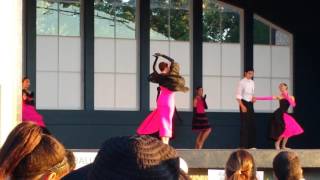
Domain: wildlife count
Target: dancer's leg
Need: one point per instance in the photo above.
(197, 145)
(284, 143)
(277, 143)
(204, 136)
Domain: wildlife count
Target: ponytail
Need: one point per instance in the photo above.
(22, 140)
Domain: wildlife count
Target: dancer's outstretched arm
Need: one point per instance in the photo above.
(265, 98)
(155, 63)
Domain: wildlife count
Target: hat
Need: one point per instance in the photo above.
(132, 157)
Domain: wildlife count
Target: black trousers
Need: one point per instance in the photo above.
(247, 126)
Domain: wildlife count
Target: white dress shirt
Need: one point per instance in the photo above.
(245, 89)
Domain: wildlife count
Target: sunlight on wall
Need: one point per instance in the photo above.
(10, 65)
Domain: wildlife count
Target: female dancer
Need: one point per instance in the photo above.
(283, 126)
(200, 120)
(29, 112)
(159, 122)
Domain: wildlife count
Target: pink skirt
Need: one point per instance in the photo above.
(160, 120)
(292, 128)
(30, 114)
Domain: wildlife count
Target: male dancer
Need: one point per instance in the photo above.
(245, 98)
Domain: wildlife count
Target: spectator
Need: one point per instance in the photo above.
(132, 157)
(240, 166)
(286, 166)
(29, 154)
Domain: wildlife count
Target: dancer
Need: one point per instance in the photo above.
(29, 112)
(29, 94)
(245, 91)
(200, 120)
(159, 122)
(283, 126)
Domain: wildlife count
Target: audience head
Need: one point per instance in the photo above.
(133, 158)
(240, 166)
(29, 154)
(286, 166)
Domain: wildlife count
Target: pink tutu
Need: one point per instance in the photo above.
(292, 128)
(30, 114)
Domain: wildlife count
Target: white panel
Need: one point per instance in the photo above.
(47, 90)
(280, 61)
(263, 88)
(231, 59)
(126, 56)
(104, 95)
(70, 91)
(126, 91)
(211, 59)
(275, 89)
(158, 46)
(180, 52)
(228, 94)
(183, 100)
(70, 54)
(47, 53)
(153, 95)
(104, 55)
(212, 87)
(262, 60)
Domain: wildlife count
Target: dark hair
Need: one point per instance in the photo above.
(27, 153)
(198, 87)
(136, 158)
(286, 166)
(248, 69)
(25, 78)
(240, 166)
(163, 65)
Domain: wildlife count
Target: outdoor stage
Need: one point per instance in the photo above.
(200, 161)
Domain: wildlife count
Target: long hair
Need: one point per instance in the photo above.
(240, 166)
(28, 153)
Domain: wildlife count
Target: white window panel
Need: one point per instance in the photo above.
(104, 91)
(47, 90)
(231, 59)
(104, 55)
(126, 57)
(183, 100)
(47, 53)
(180, 52)
(228, 93)
(262, 88)
(281, 61)
(211, 59)
(157, 47)
(70, 54)
(212, 87)
(126, 91)
(262, 60)
(70, 93)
